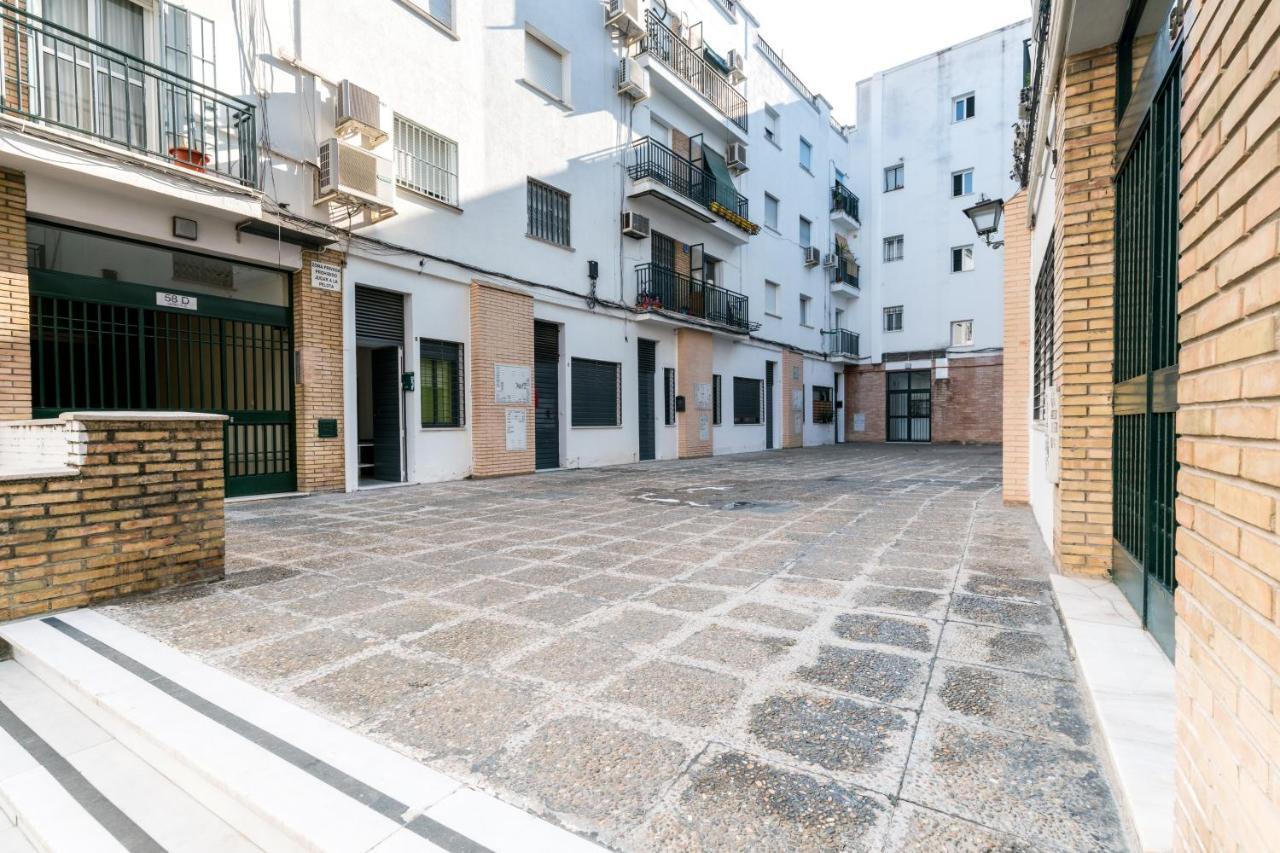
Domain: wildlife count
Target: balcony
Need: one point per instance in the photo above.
(690, 67)
(843, 345)
(844, 207)
(844, 278)
(665, 290)
(57, 78)
(658, 171)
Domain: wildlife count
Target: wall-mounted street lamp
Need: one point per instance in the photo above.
(985, 216)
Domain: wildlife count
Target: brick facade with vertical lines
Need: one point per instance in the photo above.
(318, 392)
(15, 307)
(693, 368)
(1015, 414)
(501, 333)
(792, 367)
(967, 405)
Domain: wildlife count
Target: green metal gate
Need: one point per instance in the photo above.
(1146, 362)
(99, 344)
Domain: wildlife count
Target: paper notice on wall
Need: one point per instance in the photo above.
(797, 399)
(704, 428)
(795, 374)
(797, 423)
(511, 384)
(702, 396)
(1053, 463)
(326, 276)
(517, 430)
(859, 422)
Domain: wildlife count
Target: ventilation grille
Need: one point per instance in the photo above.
(207, 271)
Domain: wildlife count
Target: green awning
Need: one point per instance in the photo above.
(726, 193)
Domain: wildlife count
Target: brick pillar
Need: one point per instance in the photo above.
(1086, 281)
(1228, 538)
(693, 382)
(967, 404)
(1016, 420)
(317, 336)
(501, 334)
(865, 395)
(15, 310)
(793, 399)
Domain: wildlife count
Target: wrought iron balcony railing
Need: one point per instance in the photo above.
(843, 342)
(649, 158)
(56, 77)
(693, 69)
(663, 289)
(844, 201)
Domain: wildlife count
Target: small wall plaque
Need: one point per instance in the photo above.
(327, 428)
(326, 277)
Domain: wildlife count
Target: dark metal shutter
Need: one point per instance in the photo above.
(716, 402)
(379, 317)
(746, 400)
(595, 392)
(669, 395)
(546, 385)
(646, 362)
(449, 354)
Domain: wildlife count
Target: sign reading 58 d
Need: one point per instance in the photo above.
(176, 300)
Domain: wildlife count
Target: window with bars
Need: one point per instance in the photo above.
(893, 248)
(426, 162)
(597, 393)
(715, 398)
(746, 400)
(669, 396)
(824, 407)
(893, 318)
(1043, 334)
(548, 213)
(440, 370)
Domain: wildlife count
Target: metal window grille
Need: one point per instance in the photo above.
(715, 398)
(893, 319)
(1043, 334)
(440, 367)
(893, 249)
(824, 408)
(548, 213)
(426, 162)
(747, 394)
(597, 393)
(669, 395)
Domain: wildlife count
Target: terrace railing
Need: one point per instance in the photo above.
(663, 289)
(687, 64)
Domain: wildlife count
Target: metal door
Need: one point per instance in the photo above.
(388, 416)
(1144, 465)
(909, 405)
(546, 395)
(768, 405)
(646, 368)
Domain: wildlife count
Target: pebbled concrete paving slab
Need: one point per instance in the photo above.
(847, 648)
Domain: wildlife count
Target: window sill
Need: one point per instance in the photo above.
(547, 242)
(806, 169)
(895, 189)
(458, 428)
(554, 100)
(774, 230)
(773, 142)
(774, 316)
(806, 325)
(432, 19)
(432, 200)
(601, 426)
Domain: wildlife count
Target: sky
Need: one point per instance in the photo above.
(832, 44)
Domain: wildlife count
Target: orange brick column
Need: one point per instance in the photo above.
(1016, 416)
(501, 334)
(1084, 348)
(1228, 540)
(865, 395)
(15, 310)
(693, 382)
(317, 336)
(792, 384)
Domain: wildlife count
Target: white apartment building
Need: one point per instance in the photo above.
(432, 240)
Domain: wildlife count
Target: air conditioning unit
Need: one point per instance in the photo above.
(829, 260)
(351, 175)
(631, 80)
(623, 17)
(359, 112)
(737, 67)
(635, 224)
(737, 159)
(812, 257)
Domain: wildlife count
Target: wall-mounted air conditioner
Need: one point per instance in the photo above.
(635, 225)
(351, 175)
(812, 257)
(623, 17)
(632, 81)
(737, 67)
(829, 260)
(737, 157)
(359, 112)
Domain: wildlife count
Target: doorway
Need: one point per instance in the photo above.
(380, 386)
(768, 405)
(546, 395)
(910, 405)
(646, 367)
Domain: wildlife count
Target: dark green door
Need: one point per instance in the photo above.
(98, 344)
(646, 367)
(909, 405)
(1145, 395)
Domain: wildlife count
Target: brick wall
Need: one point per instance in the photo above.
(317, 336)
(865, 393)
(501, 333)
(967, 405)
(1015, 414)
(792, 389)
(1228, 541)
(1086, 283)
(15, 313)
(136, 506)
(693, 368)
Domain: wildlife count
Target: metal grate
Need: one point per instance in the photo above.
(1044, 308)
(597, 393)
(548, 213)
(747, 395)
(440, 366)
(426, 162)
(379, 316)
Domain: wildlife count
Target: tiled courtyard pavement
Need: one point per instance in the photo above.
(841, 649)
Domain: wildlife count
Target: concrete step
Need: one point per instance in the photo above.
(276, 774)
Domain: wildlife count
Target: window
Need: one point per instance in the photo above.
(188, 44)
(426, 162)
(548, 213)
(1043, 335)
(597, 393)
(962, 108)
(746, 400)
(892, 249)
(893, 318)
(669, 395)
(715, 398)
(544, 67)
(806, 232)
(962, 333)
(710, 269)
(806, 155)
(771, 298)
(962, 259)
(893, 177)
(440, 371)
(824, 408)
(770, 212)
(771, 125)
(962, 183)
(440, 11)
(804, 310)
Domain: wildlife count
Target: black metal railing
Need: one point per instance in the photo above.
(846, 272)
(843, 200)
(649, 158)
(54, 76)
(844, 342)
(1024, 143)
(662, 289)
(689, 65)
